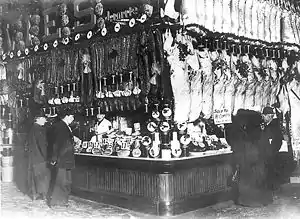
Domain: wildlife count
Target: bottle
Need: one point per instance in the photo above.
(166, 146)
(155, 149)
(175, 145)
(185, 140)
(136, 151)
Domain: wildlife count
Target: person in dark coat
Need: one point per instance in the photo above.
(244, 137)
(271, 141)
(38, 172)
(62, 161)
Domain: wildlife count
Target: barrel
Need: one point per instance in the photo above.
(7, 169)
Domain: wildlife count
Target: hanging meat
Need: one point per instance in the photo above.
(235, 17)
(200, 11)
(230, 85)
(87, 79)
(189, 10)
(277, 26)
(143, 62)
(226, 16)
(208, 81)
(293, 17)
(275, 84)
(219, 80)
(272, 15)
(195, 85)
(258, 95)
(240, 87)
(248, 18)
(179, 80)
(287, 28)
(251, 87)
(267, 34)
(266, 84)
(254, 20)
(294, 96)
(260, 19)
(218, 16)
(209, 15)
(242, 27)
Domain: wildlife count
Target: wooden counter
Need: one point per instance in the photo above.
(153, 186)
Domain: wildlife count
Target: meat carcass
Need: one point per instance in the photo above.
(273, 13)
(267, 34)
(219, 79)
(275, 84)
(258, 97)
(189, 11)
(235, 17)
(254, 20)
(200, 12)
(242, 27)
(250, 91)
(218, 16)
(266, 85)
(277, 26)
(248, 18)
(230, 85)
(209, 14)
(195, 92)
(207, 86)
(293, 18)
(294, 97)
(180, 86)
(287, 30)
(261, 19)
(241, 86)
(226, 16)
(239, 96)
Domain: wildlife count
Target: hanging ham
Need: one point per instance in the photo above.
(207, 94)
(230, 86)
(256, 66)
(179, 81)
(195, 77)
(251, 87)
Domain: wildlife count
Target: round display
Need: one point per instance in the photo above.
(152, 126)
(164, 127)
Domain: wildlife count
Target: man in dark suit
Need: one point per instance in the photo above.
(272, 140)
(38, 172)
(62, 160)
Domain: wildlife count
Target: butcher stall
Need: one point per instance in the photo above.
(153, 86)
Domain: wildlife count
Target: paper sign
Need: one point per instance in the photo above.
(222, 116)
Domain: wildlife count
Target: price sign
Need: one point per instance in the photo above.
(222, 116)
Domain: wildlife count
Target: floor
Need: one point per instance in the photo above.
(14, 204)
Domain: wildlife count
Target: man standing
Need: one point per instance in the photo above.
(38, 172)
(272, 140)
(102, 127)
(62, 160)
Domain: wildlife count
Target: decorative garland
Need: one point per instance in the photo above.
(238, 44)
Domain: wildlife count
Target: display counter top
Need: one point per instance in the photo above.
(153, 165)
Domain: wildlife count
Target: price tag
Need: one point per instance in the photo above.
(222, 116)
